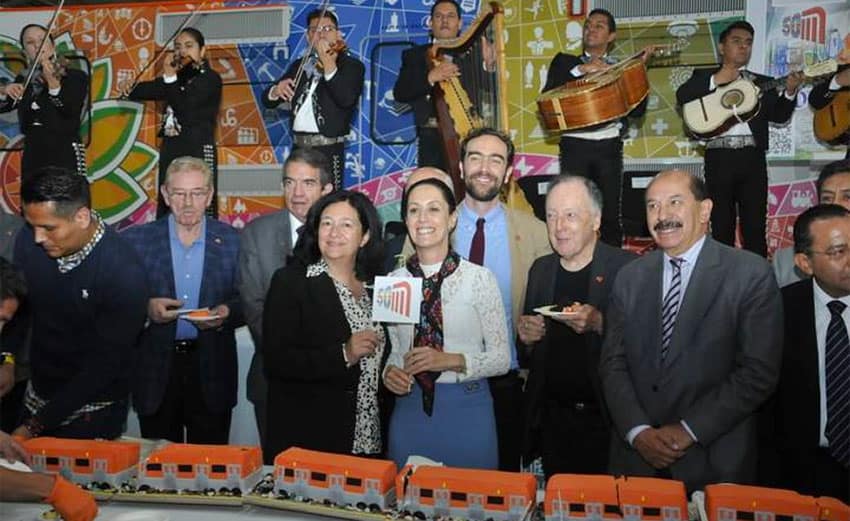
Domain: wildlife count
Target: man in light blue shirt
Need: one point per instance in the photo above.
(506, 241)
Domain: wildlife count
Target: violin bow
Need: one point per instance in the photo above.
(164, 49)
(40, 51)
(300, 72)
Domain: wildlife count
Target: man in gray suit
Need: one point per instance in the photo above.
(692, 347)
(266, 243)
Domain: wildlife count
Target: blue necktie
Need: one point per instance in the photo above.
(838, 384)
(670, 306)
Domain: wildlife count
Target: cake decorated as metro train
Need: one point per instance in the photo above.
(97, 463)
(184, 466)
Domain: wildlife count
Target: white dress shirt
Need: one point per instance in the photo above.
(822, 318)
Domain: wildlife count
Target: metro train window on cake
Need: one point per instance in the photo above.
(495, 500)
(426, 492)
(458, 496)
(651, 511)
(612, 509)
(81, 462)
(51, 460)
(220, 469)
(353, 482)
(287, 472)
(154, 467)
(318, 476)
(183, 467)
(576, 507)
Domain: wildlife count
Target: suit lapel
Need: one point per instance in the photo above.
(284, 237)
(596, 285)
(166, 268)
(212, 266)
(699, 296)
(651, 306)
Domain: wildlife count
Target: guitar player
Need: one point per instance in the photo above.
(595, 152)
(735, 165)
(823, 93)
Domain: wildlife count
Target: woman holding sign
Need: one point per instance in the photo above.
(323, 354)
(439, 367)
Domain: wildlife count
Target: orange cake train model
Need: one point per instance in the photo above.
(335, 478)
(101, 464)
(183, 466)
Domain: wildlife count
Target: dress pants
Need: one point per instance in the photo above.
(12, 407)
(576, 439)
(602, 162)
(184, 407)
(507, 406)
(736, 180)
(107, 423)
(430, 150)
(814, 472)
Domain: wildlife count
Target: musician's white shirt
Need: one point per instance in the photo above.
(609, 131)
(305, 118)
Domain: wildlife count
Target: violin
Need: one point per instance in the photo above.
(337, 47)
(180, 61)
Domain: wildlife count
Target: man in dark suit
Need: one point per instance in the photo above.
(692, 347)
(325, 96)
(735, 165)
(416, 80)
(595, 152)
(812, 414)
(266, 243)
(823, 93)
(185, 374)
(566, 421)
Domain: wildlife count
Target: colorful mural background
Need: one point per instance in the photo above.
(123, 153)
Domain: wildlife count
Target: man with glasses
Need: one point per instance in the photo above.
(812, 417)
(417, 78)
(186, 373)
(322, 90)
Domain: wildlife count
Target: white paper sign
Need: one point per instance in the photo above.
(397, 300)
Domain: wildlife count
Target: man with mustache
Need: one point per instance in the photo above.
(185, 376)
(507, 242)
(692, 347)
(416, 79)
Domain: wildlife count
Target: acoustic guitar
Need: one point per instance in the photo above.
(599, 97)
(737, 102)
(832, 122)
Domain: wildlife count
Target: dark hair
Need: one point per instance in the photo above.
(695, 183)
(28, 26)
(740, 24)
(195, 34)
(315, 159)
(836, 167)
(370, 257)
(431, 181)
(803, 226)
(592, 189)
(612, 25)
(12, 284)
(488, 131)
(319, 13)
(68, 190)
(453, 2)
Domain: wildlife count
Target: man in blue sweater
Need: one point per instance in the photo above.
(87, 299)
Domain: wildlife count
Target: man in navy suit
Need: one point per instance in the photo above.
(812, 422)
(186, 370)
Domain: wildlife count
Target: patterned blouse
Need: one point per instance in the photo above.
(358, 313)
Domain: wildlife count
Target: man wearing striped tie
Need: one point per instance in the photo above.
(692, 347)
(812, 407)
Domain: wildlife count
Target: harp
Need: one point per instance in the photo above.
(477, 98)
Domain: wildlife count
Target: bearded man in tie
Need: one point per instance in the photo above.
(812, 405)
(505, 241)
(692, 347)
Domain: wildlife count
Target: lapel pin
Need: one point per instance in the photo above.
(85, 293)
(217, 240)
(599, 279)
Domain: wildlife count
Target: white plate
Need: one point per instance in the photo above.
(181, 312)
(546, 311)
(140, 515)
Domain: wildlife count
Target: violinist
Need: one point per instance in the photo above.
(595, 152)
(49, 106)
(323, 89)
(191, 91)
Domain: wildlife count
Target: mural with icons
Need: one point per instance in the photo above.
(122, 152)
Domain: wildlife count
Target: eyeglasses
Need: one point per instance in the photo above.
(192, 195)
(322, 29)
(837, 253)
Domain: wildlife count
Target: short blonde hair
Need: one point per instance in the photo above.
(189, 164)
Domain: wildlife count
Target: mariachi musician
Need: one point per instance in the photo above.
(192, 92)
(49, 106)
(735, 165)
(823, 93)
(595, 152)
(323, 89)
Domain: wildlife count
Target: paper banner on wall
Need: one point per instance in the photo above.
(397, 300)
